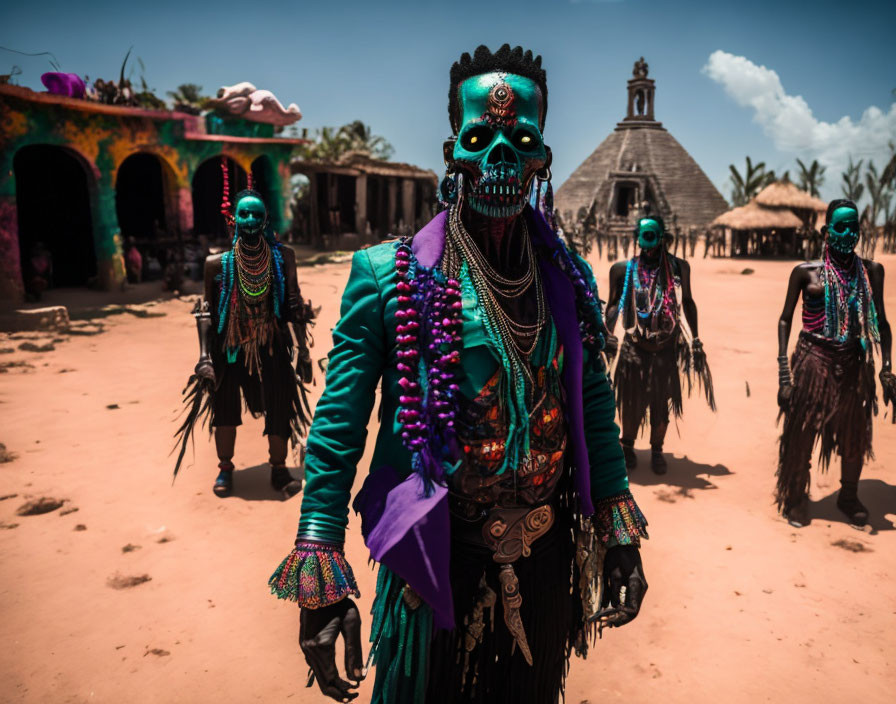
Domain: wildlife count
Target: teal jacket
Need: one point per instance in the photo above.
(364, 356)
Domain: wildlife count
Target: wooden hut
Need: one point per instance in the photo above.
(759, 230)
(358, 199)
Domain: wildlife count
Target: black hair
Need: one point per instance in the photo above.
(506, 60)
(245, 193)
(838, 203)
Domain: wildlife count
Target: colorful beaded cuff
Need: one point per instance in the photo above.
(619, 517)
(314, 576)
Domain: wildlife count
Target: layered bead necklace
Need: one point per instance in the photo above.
(848, 304)
(253, 267)
(654, 306)
(250, 319)
(513, 340)
(495, 291)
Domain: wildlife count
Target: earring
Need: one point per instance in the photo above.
(448, 188)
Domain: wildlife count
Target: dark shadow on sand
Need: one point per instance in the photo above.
(878, 496)
(254, 484)
(682, 472)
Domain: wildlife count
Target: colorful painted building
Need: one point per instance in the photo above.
(78, 178)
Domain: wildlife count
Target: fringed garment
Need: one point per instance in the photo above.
(514, 567)
(833, 398)
(831, 407)
(655, 355)
(252, 349)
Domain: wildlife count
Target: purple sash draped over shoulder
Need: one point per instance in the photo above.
(408, 531)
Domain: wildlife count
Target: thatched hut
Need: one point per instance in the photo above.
(757, 229)
(783, 194)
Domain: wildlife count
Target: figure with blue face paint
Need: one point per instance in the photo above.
(497, 480)
(826, 390)
(252, 323)
(648, 294)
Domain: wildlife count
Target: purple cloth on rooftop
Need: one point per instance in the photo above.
(67, 84)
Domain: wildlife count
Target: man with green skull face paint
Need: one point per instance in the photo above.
(251, 298)
(655, 353)
(827, 392)
(496, 446)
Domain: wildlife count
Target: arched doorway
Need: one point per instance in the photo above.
(263, 179)
(208, 186)
(53, 189)
(140, 199)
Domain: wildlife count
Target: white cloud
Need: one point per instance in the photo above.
(789, 121)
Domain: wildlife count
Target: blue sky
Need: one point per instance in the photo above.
(785, 79)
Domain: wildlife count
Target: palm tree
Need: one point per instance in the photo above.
(745, 187)
(852, 187)
(188, 98)
(361, 137)
(811, 177)
(876, 191)
(888, 176)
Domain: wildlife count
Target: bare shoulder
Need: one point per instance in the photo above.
(807, 267)
(619, 267)
(213, 262)
(873, 267)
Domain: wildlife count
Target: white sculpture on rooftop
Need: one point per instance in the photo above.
(246, 101)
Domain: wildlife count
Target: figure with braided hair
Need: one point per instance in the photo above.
(497, 479)
(826, 391)
(648, 293)
(252, 321)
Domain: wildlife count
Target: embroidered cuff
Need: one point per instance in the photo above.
(314, 576)
(618, 518)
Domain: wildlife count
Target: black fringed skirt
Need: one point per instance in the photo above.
(275, 393)
(832, 405)
(648, 382)
(495, 672)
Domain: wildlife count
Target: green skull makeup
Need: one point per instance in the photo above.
(843, 230)
(250, 215)
(499, 146)
(650, 234)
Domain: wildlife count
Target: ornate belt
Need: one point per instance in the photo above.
(509, 534)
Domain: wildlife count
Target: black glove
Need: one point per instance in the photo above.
(699, 356)
(624, 585)
(318, 631)
(888, 389)
(205, 370)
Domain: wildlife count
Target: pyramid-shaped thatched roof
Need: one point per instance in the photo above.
(640, 150)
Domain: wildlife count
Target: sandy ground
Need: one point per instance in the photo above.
(741, 607)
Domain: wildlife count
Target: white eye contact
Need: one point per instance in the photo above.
(526, 139)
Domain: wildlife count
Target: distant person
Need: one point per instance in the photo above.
(826, 392)
(692, 239)
(251, 298)
(39, 271)
(654, 353)
(133, 262)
